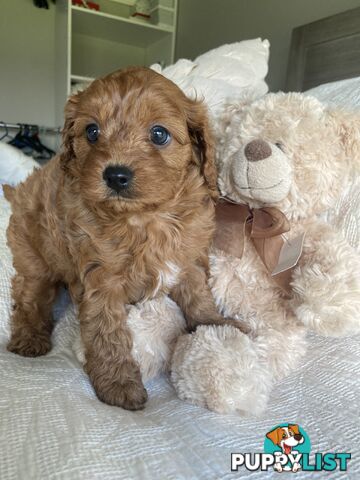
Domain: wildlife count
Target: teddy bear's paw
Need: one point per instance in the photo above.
(283, 349)
(221, 369)
(328, 302)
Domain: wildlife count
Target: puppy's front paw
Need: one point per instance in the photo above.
(129, 395)
(127, 391)
(29, 345)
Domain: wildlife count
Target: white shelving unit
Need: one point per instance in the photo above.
(93, 43)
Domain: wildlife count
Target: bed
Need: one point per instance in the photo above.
(324, 51)
(53, 427)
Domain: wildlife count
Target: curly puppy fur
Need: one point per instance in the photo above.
(113, 248)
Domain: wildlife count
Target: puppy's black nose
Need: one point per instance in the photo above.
(118, 178)
(298, 437)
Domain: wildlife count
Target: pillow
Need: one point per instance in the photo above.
(15, 166)
(220, 75)
(345, 93)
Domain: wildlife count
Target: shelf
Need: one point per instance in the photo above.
(129, 3)
(117, 29)
(81, 79)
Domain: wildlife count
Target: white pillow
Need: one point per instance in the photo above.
(15, 166)
(223, 74)
(345, 93)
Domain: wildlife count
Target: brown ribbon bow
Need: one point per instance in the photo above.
(264, 226)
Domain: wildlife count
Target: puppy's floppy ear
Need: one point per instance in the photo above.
(203, 144)
(67, 152)
(274, 436)
(294, 428)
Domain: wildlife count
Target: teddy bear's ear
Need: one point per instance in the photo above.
(67, 153)
(203, 144)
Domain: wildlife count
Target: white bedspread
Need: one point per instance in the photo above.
(53, 427)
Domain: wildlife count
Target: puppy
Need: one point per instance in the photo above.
(286, 438)
(125, 212)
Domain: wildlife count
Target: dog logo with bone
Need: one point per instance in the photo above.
(287, 438)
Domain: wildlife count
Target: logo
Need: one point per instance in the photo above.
(287, 449)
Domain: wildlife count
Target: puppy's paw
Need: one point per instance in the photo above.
(127, 391)
(30, 345)
(129, 395)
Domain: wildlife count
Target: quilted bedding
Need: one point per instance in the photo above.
(53, 427)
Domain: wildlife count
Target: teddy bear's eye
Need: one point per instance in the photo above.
(280, 145)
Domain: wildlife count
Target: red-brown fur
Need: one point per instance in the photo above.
(67, 227)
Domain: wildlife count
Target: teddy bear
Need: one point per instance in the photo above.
(283, 161)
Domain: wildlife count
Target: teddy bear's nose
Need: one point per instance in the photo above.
(257, 150)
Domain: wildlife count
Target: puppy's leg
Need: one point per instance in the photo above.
(107, 340)
(194, 297)
(31, 321)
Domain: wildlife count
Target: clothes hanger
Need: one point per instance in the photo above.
(18, 141)
(3, 124)
(39, 146)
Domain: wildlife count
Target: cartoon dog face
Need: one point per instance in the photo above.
(286, 437)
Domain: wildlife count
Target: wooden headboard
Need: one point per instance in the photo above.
(324, 51)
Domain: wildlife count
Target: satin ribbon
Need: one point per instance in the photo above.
(264, 226)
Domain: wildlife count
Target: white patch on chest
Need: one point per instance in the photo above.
(167, 278)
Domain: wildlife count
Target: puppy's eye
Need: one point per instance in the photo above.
(280, 145)
(159, 135)
(92, 132)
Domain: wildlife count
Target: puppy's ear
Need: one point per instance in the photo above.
(294, 428)
(203, 144)
(67, 152)
(274, 436)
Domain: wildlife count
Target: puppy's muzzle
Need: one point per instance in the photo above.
(118, 178)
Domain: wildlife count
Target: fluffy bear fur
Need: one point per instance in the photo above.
(311, 151)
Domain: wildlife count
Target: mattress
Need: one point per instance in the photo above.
(53, 427)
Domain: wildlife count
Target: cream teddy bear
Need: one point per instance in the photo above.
(291, 153)
(290, 156)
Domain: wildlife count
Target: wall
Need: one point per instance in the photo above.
(205, 24)
(27, 63)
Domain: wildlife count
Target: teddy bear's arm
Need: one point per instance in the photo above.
(326, 283)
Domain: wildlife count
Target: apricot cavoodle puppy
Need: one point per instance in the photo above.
(126, 211)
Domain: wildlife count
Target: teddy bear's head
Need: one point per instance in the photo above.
(289, 151)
